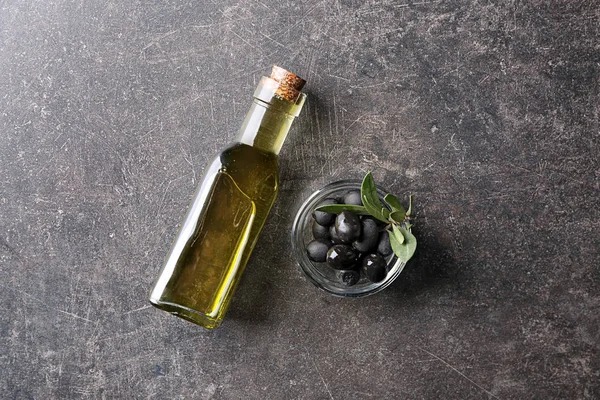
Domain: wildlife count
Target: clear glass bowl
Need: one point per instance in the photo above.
(321, 274)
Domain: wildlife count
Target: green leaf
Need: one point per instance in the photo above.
(397, 234)
(404, 251)
(369, 190)
(373, 210)
(338, 208)
(394, 203)
(409, 212)
(397, 216)
(396, 246)
(386, 213)
(370, 198)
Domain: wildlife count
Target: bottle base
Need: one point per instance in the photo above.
(187, 314)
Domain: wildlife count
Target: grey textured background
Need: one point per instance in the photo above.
(486, 110)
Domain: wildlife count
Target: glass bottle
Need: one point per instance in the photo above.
(229, 208)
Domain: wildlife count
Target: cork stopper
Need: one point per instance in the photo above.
(290, 84)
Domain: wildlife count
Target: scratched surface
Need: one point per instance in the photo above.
(486, 110)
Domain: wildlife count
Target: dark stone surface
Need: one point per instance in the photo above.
(486, 110)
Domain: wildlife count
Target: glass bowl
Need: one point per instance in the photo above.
(321, 274)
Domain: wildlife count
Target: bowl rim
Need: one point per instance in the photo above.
(299, 247)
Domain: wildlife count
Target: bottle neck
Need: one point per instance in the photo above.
(275, 106)
(265, 127)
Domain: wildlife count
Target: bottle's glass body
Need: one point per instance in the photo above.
(227, 213)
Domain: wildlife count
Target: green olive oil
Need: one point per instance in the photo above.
(229, 209)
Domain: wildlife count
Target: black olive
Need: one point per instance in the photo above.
(353, 197)
(341, 256)
(320, 231)
(349, 277)
(370, 236)
(374, 267)
(383, 247)
(317, 250)
(348, 226)
(333, 235)
(324, 218)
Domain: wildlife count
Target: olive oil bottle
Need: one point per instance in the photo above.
(229, 209)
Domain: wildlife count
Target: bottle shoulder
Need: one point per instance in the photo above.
(255, 171)
(241, 153)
